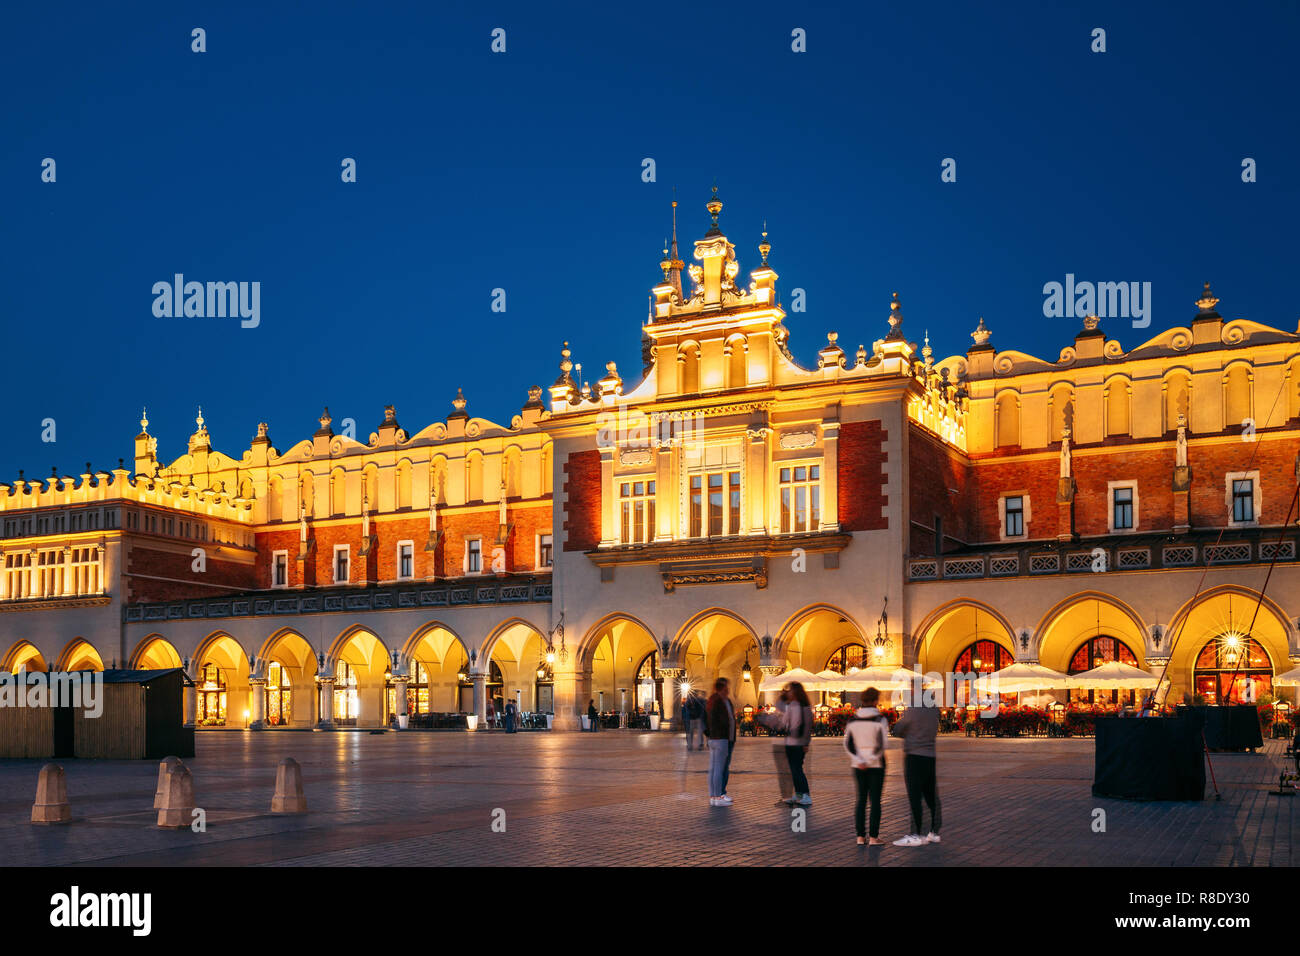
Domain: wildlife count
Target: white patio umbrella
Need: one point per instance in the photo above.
(795, 675)
(1114, 675)
(1290, 679)
(1022, 676)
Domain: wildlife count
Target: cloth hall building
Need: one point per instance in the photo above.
(723, 512)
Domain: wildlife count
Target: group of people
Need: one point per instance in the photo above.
(865, 738)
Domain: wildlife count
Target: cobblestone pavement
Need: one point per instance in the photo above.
(628, 798)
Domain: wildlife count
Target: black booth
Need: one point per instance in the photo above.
(1232, 728)
(1150, 758)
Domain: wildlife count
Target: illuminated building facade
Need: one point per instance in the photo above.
(729, 512)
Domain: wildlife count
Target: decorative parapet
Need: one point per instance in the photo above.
(403, 597)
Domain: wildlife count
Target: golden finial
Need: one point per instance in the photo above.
(144, 420)
(764, 247)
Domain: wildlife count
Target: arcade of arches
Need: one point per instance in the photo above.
(1224, 648)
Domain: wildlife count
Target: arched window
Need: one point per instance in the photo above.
(737, 353)
(338, 491)
(1236, 396)
(1233, 669)
(306, 495)
(850, 655)
(983, 658)
(1061, 398)
(513, 473)
(1093, 653)
(346, 699)
(211, 696)
(371, 486)
(279, 695)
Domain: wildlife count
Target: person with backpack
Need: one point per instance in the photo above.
(798, 738)
(864, 738)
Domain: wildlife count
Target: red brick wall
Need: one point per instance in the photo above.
(144, 563)
(529, 518)
(934, 470)
(582, 500)
(1152, 469)
(861, 477)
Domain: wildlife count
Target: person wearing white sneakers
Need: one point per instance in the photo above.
(864, 739)
(720, 728)
(918, 727)
(798, 725)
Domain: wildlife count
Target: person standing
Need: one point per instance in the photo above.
(918, 727)
(593, 718)
(721, 730)
(865, 736)
(510, 716)
(798, 738)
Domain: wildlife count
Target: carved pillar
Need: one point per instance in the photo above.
(400, 682)
(480, 698)
(758, 497)
(326, 721)
(830, 476)
(256, 703)
(67, 572)
(191, 699)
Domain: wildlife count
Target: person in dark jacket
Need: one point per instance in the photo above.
(592, 716)
(918, 727)
(720, 728)
(510, 716)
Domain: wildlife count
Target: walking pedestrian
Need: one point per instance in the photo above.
(864, 738)
(695, 720)
(721, 730)
(510, 716)
(798, 738)
(918, 727)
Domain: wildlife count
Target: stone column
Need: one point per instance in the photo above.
(67, 572)
(256, 703)
(480, 698)
(326, 721)
(672, 692)
(399, 693)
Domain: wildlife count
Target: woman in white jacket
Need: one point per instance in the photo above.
(865, 736)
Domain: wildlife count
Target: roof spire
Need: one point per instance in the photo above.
(895, 320)
(764, 247)
(675, 264)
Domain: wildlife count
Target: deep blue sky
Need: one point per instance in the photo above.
(523, 171)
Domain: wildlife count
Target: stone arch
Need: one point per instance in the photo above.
(518, 648)
(359, 655)
(714, 643)
(952, 627)
(155, 652)
(442, 652)
(1079, 617)
(1226, 607)
(25, 656)
(512, 471)
(227, 653)
(688, 367)
(403, 497)
(79, 654)
(1059, 396)
(1238, 393)
(783, 644)
(298, 659)
(604, 668)
(1176, 388)
(736, 353)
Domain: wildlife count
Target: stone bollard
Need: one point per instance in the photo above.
(51, 804)
(288, 788)
(177, 808)
(162, 779)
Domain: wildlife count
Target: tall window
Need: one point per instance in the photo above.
(715, 504)
(211, 696)
(406, 560)
(982, 658)
(280, 569)
(346, 700)
(546, 547)
(279, 695)
(341, 556)
(417, 691)
(473, 555)
(1093, 653)
(637, 504)
(1122, 506)
(801, 498)
(1243, 499)
(1015, 516)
